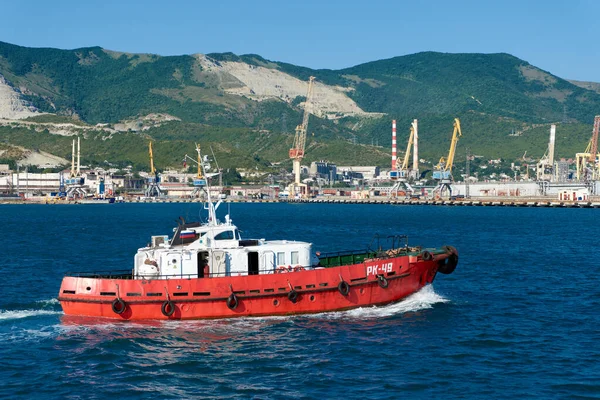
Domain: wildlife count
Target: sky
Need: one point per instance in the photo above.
(561, 37)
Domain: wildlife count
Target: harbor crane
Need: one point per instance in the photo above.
(297, 151)
(585, 172)
(153, 180)
(75, 182)
(443, 170)
(400, 172)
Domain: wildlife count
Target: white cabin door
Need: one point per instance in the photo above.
(268, 262)
(218, 264)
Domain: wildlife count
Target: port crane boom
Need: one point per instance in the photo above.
(443, 170)
(297, 151)
(152, 188)
(446, 164)
(589, 156)
(400, 171)
(152, 169)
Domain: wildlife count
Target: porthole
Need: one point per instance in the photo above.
(275, 302)
(88, 288)
(312, 297)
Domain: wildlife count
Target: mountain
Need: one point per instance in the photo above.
(247, 106)
(594, 86)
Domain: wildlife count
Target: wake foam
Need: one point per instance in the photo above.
(48, 302)
(422, 300)
(19, 314)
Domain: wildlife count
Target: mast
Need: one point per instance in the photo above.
(209, 206)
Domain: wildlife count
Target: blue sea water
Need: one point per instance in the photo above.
(519, 318)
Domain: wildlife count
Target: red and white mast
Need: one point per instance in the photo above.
(393, 145)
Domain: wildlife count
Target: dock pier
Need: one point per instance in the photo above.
(475, 202)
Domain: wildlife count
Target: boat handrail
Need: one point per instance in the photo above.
(127, 274)
(119, 274)
(393, 242)
(344, 253)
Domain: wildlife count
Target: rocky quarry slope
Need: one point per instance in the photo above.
(12, 106)
(261, 83)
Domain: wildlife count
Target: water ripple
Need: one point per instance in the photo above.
(519, 317)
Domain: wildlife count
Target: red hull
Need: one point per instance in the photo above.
(370, 283)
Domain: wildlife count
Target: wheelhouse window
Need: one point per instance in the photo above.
(237, 235)
(281, 258)
(295, 258)
(227, 235)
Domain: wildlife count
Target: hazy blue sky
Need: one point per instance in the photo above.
(561, 37)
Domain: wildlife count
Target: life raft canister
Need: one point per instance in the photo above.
(448, 265)
(167, 308)
(344, 288)
(232, 301)
(118, 306)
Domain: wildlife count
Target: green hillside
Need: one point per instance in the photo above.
(233, 147)
(497, 84)
(505, 105)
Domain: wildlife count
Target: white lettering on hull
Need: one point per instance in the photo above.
(379, 269)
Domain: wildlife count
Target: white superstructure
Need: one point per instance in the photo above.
(216, 248)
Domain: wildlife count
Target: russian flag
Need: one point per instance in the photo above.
(187, 234)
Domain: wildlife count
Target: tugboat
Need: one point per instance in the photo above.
(206, 270)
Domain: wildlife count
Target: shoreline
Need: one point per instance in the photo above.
(544, 202)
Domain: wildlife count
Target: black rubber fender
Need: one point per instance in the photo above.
(167, 308)
(118, 306)
(293, 296)
(344, 288)
(232, 301)
(382, 282)
(450, 250)
(426, 256)
(448, 265)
